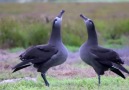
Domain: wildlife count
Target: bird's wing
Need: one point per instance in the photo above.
(43, 52)
(108, 58)
(106, 55)
(117, 71)
(19, 68)
(37, 54)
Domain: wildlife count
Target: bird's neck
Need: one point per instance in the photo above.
(55, 35)
(92, 37)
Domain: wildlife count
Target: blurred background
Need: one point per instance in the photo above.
(24, 23)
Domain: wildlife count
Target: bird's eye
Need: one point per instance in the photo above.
(55, 19)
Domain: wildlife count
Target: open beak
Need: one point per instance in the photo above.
(61, 13)
(83, 17)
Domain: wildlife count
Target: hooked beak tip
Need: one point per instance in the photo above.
(61, 13)
(83, 17)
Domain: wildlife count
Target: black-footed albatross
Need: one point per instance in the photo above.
(101, 59)
(46, 56)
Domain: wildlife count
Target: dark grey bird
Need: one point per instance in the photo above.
(46, 56)
(101, 59)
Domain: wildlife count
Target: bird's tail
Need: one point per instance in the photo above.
(118, 72)
(19, 68)
(22, 65)
(120, 67)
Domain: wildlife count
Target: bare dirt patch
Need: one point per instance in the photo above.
(73, 67)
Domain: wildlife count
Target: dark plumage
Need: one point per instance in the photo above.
(43, 57)
(101, 59)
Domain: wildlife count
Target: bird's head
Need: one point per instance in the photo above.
(89, 23)
(58, 20)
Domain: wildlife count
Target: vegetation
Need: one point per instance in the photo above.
(112, 83)
(89, 1)
(70, 75)
(22, 25)
(23, 1)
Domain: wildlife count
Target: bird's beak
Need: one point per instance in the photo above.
(83, 17)
(61, 13)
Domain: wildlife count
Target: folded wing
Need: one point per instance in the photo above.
(108, 58)
(36, 55)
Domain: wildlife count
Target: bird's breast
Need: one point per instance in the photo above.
(61, 56)
(63, 53)
(85, 55)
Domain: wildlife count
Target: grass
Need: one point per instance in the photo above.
(107, 83)
(92, 1)
(72, 48)
(16, 49)
(70, 75)
(60, 1)
(73, 74)
(6, 70)
(23, 25)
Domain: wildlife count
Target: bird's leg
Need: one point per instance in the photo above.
(99, 80)
(45, 80)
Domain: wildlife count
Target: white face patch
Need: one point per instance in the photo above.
(58, 20)
(88, 21)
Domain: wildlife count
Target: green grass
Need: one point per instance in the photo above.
(72, 48)
(115, 46)
(73, 75)
(16, 49)
(23, 25)
(107, 83)
(70, 76)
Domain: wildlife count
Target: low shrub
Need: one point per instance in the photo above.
(26, 32)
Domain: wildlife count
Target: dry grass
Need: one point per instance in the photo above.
(99, 11)
(109, 18)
